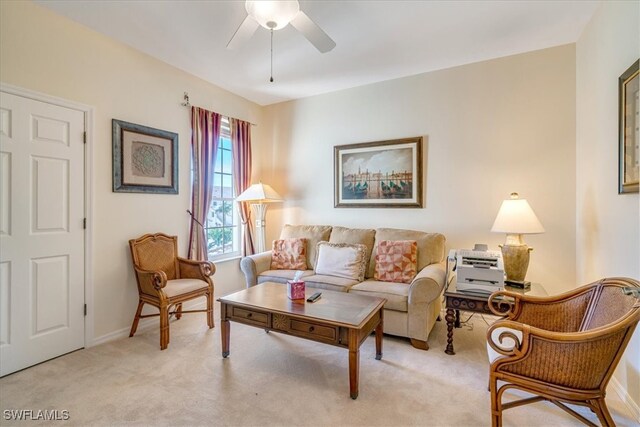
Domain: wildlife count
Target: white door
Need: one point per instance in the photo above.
(41, 231)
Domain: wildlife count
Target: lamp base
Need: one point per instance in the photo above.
(516, 261)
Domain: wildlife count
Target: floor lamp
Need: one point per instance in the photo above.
(259, 195)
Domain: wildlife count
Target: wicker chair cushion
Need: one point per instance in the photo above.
(182, 286)
(506, 344)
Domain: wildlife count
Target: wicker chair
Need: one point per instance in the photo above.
(166, 280)
(563, 349)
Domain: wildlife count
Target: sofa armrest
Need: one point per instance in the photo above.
(253, 265)
(428, 284)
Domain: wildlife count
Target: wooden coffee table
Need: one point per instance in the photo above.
(338, 318)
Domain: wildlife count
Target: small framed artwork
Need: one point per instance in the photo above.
(629, 130)
(382, 174)
(145, 160)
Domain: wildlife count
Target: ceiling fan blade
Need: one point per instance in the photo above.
(243, 33)
(312, 32)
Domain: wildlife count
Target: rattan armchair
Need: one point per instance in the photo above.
(166, 281)
(562, 349)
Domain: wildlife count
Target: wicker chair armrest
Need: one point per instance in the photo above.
(504, 303)
(518, 333)
(572, 345)
(190, 269)
(151, 281)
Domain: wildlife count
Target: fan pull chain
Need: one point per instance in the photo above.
(271, 78)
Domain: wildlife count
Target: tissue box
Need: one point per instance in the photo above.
(295, 289)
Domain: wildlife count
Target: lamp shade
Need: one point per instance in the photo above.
(272, 15)
(259, 193)
(516, 217)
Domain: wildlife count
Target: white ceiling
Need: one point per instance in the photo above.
(376, 40)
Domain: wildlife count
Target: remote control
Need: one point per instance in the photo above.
(315, 297)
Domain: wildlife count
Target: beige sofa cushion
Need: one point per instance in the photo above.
(396, 294)
(313, 234)
(362, 236)
(430, 246)
(331, 283)
(281, 276)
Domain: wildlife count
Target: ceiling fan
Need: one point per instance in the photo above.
(275, 15)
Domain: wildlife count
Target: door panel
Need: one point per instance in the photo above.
(41, 231)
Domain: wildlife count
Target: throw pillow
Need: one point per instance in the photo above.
(289, 254)
(430, 245)
(341, 260)
(396, 261)
(313, 234)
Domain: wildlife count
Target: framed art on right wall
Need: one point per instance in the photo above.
(629, 130)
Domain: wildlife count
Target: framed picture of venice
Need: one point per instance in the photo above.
(381, 174)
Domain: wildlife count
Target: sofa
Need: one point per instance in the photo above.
(411, 308)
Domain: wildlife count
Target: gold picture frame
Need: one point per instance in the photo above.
(381, 174)
(629, 133)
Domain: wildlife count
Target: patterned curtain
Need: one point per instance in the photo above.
(241, 149)
(205, 133)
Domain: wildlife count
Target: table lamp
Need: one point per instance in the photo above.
(516, 218)
(259, 195)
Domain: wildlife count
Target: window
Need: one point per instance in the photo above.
(222, 225)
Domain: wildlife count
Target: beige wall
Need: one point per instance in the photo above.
(47, 53)
(490, 128)
(607, 223)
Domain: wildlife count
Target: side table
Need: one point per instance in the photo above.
(477, 302)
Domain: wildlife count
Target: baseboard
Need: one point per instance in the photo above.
(632, 406)
(143, 325)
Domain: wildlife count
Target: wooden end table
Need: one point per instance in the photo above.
(478, 302)
(338, 318)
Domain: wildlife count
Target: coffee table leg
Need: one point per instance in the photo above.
(354, 363)
(224, 333)
(379, 330)
(450, 318)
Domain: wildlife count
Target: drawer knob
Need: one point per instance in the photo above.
(250, 315)
(311, 329)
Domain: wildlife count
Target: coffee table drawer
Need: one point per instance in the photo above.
(254, 317)
(309, 329)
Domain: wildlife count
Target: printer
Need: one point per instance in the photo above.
(478, 270)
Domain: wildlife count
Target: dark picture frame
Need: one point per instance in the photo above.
(145, 160)
(380, 174)
(628, 130)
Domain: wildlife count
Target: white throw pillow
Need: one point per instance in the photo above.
(341, 260)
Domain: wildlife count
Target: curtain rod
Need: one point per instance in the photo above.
(185, 103)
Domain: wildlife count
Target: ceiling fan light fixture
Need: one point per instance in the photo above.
(273, 15)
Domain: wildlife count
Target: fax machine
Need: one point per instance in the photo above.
(478, 270)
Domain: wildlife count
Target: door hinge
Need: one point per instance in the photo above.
(85, 309)
(84, 137)
(84, 223)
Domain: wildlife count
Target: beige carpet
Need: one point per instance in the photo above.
(271, 379)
